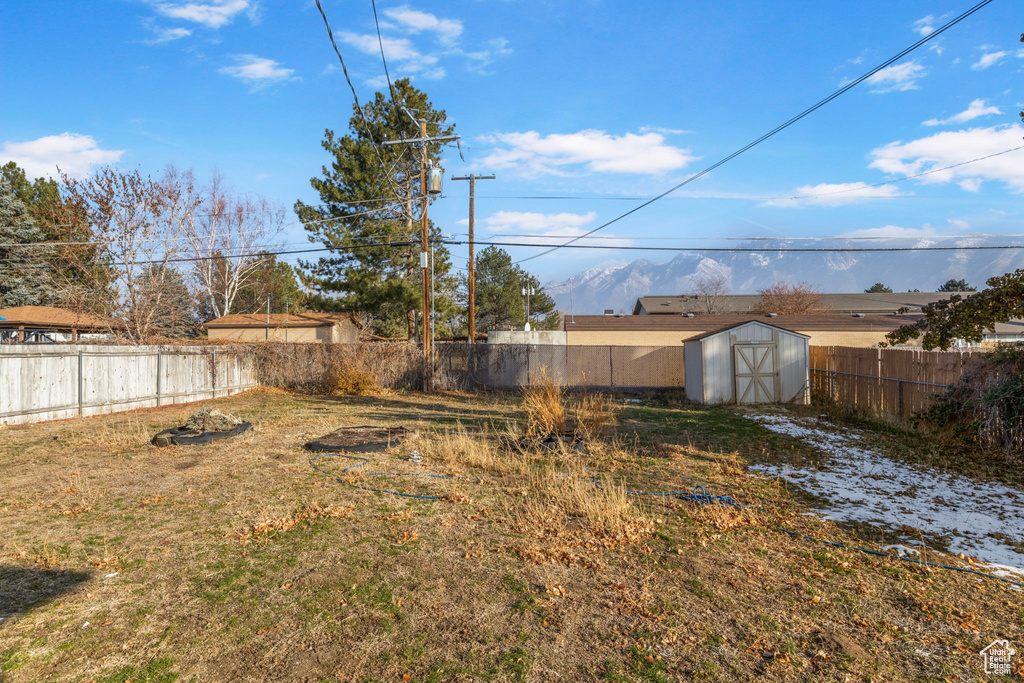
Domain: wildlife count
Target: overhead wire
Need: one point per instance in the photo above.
(742, 250)
(934, 34)
(355, 97)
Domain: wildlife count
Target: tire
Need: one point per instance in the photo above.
(183, 436)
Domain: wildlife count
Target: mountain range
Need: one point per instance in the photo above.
(617, 287)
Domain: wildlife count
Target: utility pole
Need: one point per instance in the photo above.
(423, 140)
(472, 261)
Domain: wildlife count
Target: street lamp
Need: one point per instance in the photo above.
(527, 291)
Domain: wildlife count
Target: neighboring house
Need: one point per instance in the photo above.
(285, 327)
(869, 304)
(49, 325)
(672, 330)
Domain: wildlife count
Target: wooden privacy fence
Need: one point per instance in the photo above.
(884, 381)
(512, 366)
(55, 382)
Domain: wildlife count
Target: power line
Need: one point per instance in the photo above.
(380, 41)
(778, 128)
(355, 97)
(754, 239)
(193, 259)
(183, 237)
(744, 250)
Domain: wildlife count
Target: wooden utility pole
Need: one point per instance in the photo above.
(472, 260)
(423, 141)
(425, 257)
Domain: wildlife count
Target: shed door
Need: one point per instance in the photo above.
(756, 373)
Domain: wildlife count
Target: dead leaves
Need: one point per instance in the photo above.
(284, 524)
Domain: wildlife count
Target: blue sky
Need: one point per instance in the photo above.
(591, 100)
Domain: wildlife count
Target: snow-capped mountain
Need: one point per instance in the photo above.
(617, 287)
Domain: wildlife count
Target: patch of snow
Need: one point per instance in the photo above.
(977, 518)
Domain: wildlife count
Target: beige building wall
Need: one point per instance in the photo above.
(258, 334)
(676, 337)
(628, 337)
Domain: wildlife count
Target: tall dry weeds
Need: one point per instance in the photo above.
(594, 415)
(544, 406)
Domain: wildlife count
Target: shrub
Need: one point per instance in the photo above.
(986, 406)
(545, 409)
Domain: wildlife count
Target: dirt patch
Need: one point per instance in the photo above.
(361, 439)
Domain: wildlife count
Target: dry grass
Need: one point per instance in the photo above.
(544, 406)
(594, 415)
(237, 561)
(348, 377)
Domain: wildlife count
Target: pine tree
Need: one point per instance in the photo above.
(499, 298)
(176, 315)
(364, 193)
(25, 278)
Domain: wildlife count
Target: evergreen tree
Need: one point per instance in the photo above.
(24, 273)
(499, 299)
(878, 288)
(952, 285)
(370, 194)
(176, 315)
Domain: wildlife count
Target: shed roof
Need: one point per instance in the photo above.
(50, 317)
(711, 333)
(260, 320)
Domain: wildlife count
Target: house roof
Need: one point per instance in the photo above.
(259, 320)
(50, 317)
(711, 333)
(704, 323)
(854, 302)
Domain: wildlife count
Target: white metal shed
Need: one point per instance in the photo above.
(750, 362)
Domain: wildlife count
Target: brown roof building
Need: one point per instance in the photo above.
(285, 327)
(856, 302)
(46, 323)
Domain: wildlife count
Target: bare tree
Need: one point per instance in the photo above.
(225, 237)
(790, 299)
(710, 291)
(137, 222)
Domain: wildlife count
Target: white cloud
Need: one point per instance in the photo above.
(75, 155)
(893, 231)
(399, 51)
(833, 194)
(953, 147)
(494, 48)
(988, 59)
(546, 228)
(596, 150)
(897, 77)
(166, 35)
(414, 21)
(212, 14)
(257, 71)
(925, 25)
(525, 221)
(665, 131)
(975, 109)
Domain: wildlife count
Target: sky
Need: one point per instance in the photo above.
(601, 103)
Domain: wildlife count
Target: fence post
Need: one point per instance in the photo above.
(159, 373)
(611, 369)
(80, 384)
(213, 374)
(899, 398)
